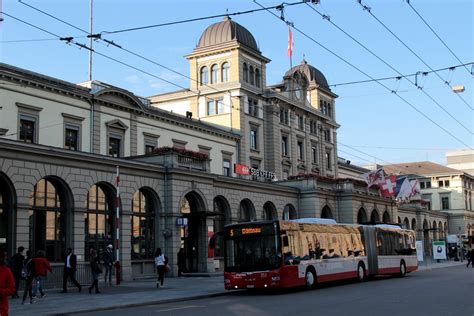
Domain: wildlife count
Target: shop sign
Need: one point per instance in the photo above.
(181, 221)
(250, 171)
(439, 250)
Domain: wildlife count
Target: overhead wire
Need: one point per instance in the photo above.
(325, 17)
(369, 10)
(292, 25)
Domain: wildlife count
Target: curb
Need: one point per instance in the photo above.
(157, 302)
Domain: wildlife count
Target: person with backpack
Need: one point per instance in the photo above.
(15, 264)
(109, 260)
(28, 274)
(95, 269)
(42, 267)
(160, 261)
(7, 284)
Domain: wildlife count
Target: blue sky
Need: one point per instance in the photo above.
(376, 126)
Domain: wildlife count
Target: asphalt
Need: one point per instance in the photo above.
(138, 293)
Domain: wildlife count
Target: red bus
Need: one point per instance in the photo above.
(304, 252)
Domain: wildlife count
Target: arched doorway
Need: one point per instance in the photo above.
(289, 212)
(441, 231)
(326, 212)
(194, 235)
(435, 231)
(269, 211)
(386, 217)
(246, 211)
(406, 223)
(374, 217)
(413, 224)
(99, 218)
(145, 207)
(399, 220)
(361, 216)
(50, 206)
(426, 238)
(7, 206)
(222, 218)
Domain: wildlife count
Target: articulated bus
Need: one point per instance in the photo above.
(304, 252)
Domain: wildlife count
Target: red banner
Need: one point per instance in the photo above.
(241, 169)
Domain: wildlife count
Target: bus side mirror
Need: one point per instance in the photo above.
(286, 243)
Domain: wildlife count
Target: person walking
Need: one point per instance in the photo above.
(28, 274)
(16, 264)
(470, 258)
(95, 269)
(109, 260)
(7, 284)
(42, 267)
(160, 261)
(70, 267)
(181, 262)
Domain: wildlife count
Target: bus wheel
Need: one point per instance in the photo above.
(403, 269)
(310, 279)
(360, 272)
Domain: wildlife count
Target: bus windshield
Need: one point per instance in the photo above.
(260, 252)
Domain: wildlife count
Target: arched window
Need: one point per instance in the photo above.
(257, 77)
(326, 212)
(361, 216)
(246, 211)
(289, 212)
(143, 228)
(221, 207)
(251, 75)
(246, 73)
(99, 219)
(413, 224)
(204, 76)
(214, 73)
(47, 221)
(225, 72)
(406, 223)
(374, 217)
(386, 217)
(269, 211)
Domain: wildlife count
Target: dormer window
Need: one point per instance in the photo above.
(204, 76)
(246, 73)
(214, 73)
(251, 75)
(225, 72)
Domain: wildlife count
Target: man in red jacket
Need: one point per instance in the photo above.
(7, 284)
(42, 267)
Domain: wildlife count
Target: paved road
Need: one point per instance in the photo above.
(446, 291)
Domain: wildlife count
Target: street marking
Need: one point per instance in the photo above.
(176, 308)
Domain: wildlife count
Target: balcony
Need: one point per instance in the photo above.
(172, 157)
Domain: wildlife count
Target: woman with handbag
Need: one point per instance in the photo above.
(161, 262)
(95, 269)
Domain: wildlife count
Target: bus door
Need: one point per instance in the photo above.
(371, 249)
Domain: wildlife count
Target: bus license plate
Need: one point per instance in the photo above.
(250, 286)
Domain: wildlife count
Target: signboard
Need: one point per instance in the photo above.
(250, 171)
(419, 250)
(181, 221)
(439, 250)
(250, 231)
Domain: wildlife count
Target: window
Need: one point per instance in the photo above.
(327, 135)
(328, 160)
(284, 116)
(211, 108)
(204, 76)
(314, 155)
(28, 129)
(445, 203)
(257, 78)
(253, 107)
(251, 76)
(226, 167)
(422, 185)
(313, 127)
(329, 110)
(143, 228)
(301, 122)
(300, 150)
(285, 174)
(427, 199)
(225, 72)
(151, 142)
(284, 145)
(253, 139)
(220, 106)
(428, 184)
(446, 183)
(443, 183)
(214, 73)
(246, 73)
(71, 140)
(215, 107)
(115, 149)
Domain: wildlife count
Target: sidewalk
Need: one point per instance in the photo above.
(128, 294)
(430, 264)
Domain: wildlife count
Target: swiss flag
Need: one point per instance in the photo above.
(388, 188)
(290, 42)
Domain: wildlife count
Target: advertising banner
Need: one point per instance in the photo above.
(439, 250)
(419, 250)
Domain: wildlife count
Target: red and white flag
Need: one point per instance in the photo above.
(389, 187)
(374, 177)
(290, 42)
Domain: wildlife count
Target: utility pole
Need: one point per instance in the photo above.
(90, 39)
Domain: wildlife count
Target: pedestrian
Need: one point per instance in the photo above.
(42, 267)
(28, 274)
(109, 260)
(7, 284)
(70, 267)
(95, 269)
(181, 262)
(16, 263)
(470, 258)
(160, 261)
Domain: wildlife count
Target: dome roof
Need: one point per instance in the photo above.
(313, 74)
(227, 31)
